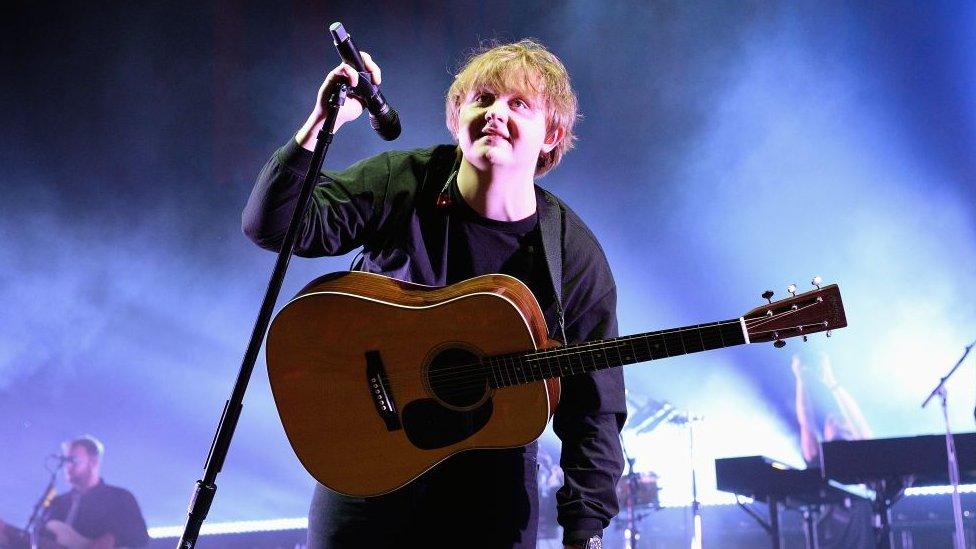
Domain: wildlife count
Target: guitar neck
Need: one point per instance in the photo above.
(580, 358)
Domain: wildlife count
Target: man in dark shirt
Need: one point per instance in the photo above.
(107, 515)
(443, 214)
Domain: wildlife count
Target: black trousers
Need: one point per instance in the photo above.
(481, 498)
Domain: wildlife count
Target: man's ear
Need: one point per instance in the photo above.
(554, 138)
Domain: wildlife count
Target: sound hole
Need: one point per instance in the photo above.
(457, 379)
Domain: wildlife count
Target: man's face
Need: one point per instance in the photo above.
(82, 469)
(503, 130)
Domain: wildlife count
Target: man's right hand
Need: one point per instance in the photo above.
(348, 112)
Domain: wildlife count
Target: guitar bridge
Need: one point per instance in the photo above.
(376, 384)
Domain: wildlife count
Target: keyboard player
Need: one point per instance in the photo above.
(825, 412)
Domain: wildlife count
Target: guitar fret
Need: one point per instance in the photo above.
(714, 342)
(692, 343)
(597, 355)
(631, 356)
(660, 348)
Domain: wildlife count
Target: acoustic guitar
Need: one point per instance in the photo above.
(55, 535)
(377, 380)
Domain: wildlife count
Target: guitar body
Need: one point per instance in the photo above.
(66, 537)
(377, 380)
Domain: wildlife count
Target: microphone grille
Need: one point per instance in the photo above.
(338, 31)
(387, 124)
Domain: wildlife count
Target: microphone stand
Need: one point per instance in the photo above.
(31, 527)
(206, 488)
(959, 538)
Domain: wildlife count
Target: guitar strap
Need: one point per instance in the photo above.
(551, 229)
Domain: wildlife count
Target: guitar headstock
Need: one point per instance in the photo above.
(819, 310)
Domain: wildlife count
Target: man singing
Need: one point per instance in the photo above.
(93, 515)
(443, 214)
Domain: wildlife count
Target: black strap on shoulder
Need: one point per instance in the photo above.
(435, 183)
(551, 228)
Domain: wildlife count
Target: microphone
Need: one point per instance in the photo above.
(382, 116)
(62, 458)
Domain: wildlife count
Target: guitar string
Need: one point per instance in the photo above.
(481, 381)
(476, 375)
(559, 352)
(575, 349)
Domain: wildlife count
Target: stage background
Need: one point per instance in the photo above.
(725, 148)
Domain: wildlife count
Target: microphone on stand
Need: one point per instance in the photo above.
(382, 116)
(62, 459)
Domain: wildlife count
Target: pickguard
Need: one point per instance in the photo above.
(429, 425)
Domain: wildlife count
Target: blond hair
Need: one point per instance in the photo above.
(528, 68)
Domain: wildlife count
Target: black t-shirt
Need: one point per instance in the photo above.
(103, 509)
(482, 246)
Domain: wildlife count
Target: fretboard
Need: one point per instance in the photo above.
(580, 358)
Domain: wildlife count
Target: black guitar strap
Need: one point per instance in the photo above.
(551, 228)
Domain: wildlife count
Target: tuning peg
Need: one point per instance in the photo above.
(804, 339)
(768, 295)
(792, 289)
(828, 333)
(816, 281)
(779, 344)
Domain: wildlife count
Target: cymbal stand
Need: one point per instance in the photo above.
(959, 537)
(631, 533)
(696, 519)
(696, 541)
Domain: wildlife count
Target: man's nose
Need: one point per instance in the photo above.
(497, 110)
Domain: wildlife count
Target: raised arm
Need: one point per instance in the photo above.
(806, 417)
(346, 206)
(848, 407)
